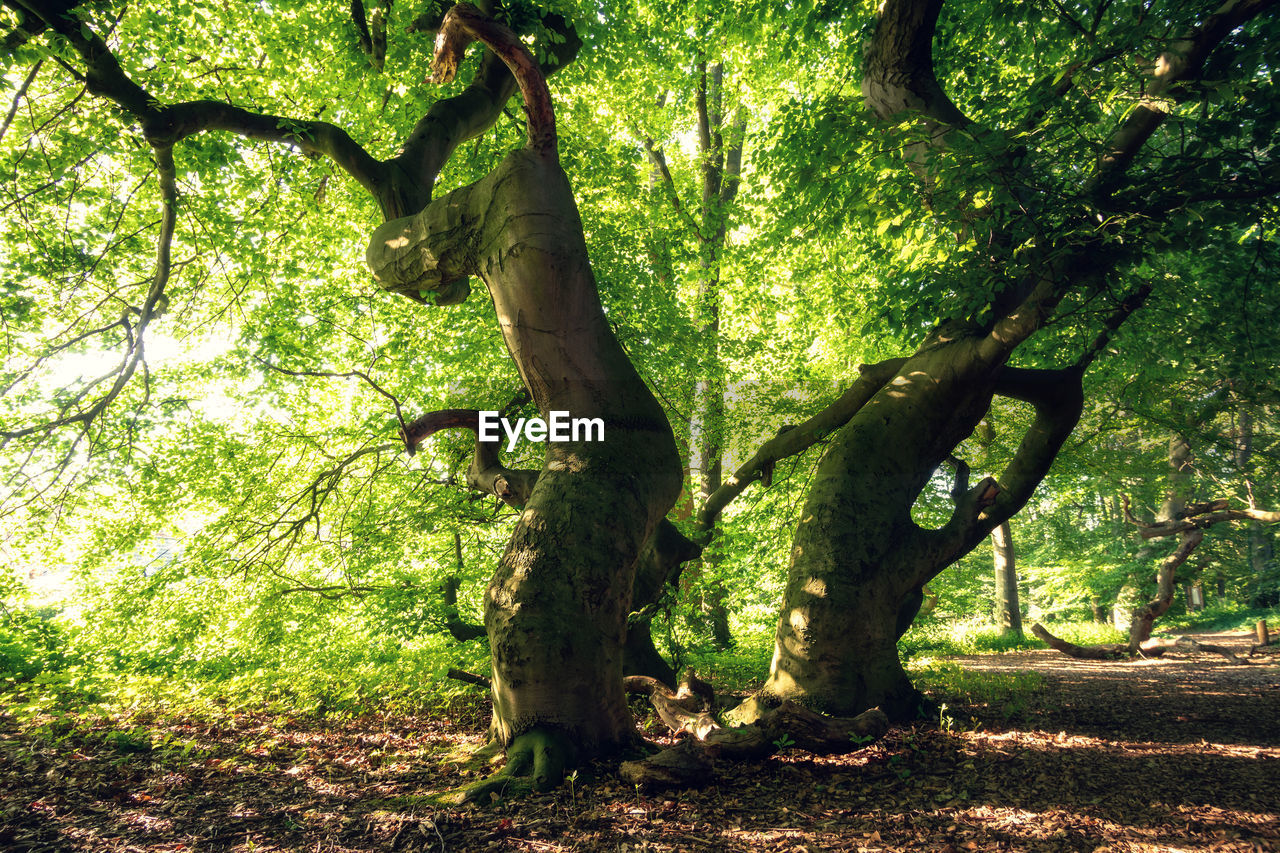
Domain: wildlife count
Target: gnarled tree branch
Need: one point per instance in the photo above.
(1197, 516)
(154, 304)
(486, 472)
(465, 23)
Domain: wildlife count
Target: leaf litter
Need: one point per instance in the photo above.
(1180, 754)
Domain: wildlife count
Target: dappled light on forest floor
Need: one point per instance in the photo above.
(1098, 763)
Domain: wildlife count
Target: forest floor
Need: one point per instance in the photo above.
(1179, 754)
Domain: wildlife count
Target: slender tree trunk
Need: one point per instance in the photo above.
(1261, 549)
(1175, 502)
(460, 629)
(1008, 613)
(720, 153)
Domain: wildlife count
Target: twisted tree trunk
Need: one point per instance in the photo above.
(859, 561)
(556, 608)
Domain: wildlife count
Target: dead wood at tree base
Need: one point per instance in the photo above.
(690, 762)
(684, 765)
(682, 709)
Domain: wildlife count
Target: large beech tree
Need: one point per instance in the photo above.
(556, 608)
(1048, 237)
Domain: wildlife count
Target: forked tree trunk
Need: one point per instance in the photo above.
(1177, 490)
(855, 559)
(1144, 618)
(1187, 521)
(859, 561)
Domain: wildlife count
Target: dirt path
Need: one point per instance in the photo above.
(1170, 756)
(1179, 698)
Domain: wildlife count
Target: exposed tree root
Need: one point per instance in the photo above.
(690, 762)
(1122, 651)
(685, 709)
(536, 761)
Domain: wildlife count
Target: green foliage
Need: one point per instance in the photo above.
(31, 644)
(932, 637)
(1222, 616)
(1012, 692)
(240, 530)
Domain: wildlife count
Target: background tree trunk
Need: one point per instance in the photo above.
(1175, 503)
(1008, 613)
(720, 145)
(1260, 544)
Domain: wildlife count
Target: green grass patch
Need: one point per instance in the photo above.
(1011, 694)
(1222, 617)
(1084, 632)
(967, 637)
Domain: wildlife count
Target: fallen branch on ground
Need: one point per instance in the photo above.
(1120, 651)
(468, 677)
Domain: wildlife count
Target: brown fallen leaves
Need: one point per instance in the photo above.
(1176, 756)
